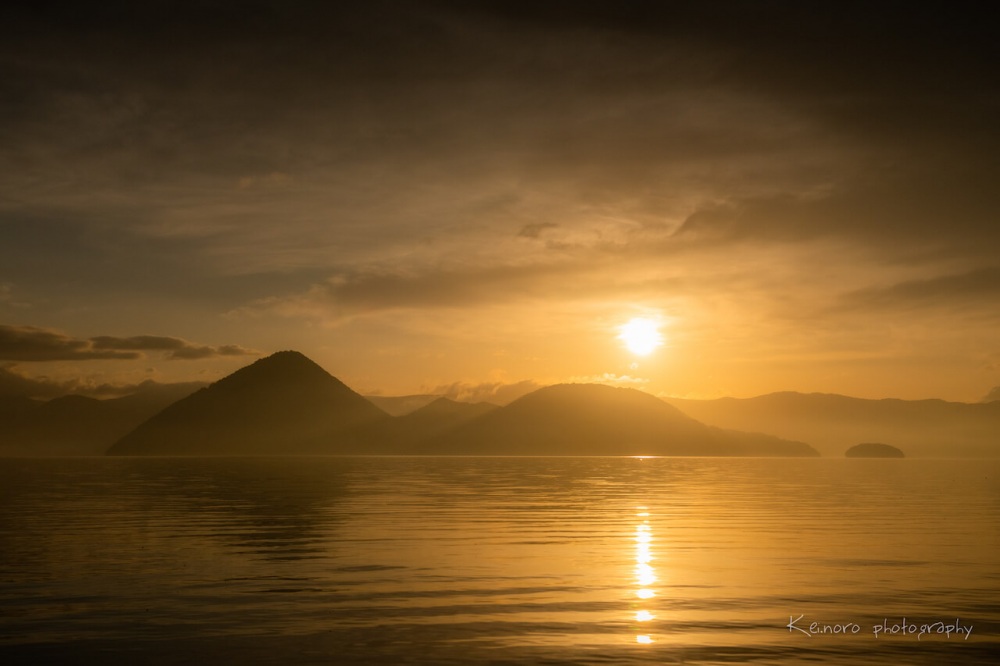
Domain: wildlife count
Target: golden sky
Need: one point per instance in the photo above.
(473, 198)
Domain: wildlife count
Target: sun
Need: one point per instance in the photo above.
(641, 336)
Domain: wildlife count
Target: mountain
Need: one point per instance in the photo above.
(399, 405)
(924, 428)
(17, 406)
(594, 419)
(152, 397)
(281, 404)
(412, 431)
(76, 425)
(873, 450)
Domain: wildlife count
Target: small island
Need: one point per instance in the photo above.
(873, 450)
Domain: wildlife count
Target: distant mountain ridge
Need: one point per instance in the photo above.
(76, 425)
(595, 419)
(301, 396)
(400, 405)
(415, 431)
(286, 404)
(831, 423)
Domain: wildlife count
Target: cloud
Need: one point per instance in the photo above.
(893, 217)
(32, 343)
(349, 294)
(331, 160)
(12, 383)
(194, 352)
(535, 229)
(15, 383)
(498, 393)
(733, 119)
(501, 393)
(177, 348)
(992, 396)
(608, 378)
(974, 288)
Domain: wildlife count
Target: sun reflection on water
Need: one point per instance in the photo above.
(645, 574)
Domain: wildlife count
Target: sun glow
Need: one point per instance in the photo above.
(641, 336)
(645, 574)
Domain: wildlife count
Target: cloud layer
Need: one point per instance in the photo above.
(31, 343)
(14, 383)
(813, 181)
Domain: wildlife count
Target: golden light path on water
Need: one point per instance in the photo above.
(645, 574)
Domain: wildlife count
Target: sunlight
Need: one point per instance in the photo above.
(641, 336)
(645, 574)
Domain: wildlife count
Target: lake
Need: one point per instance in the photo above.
(399, 560)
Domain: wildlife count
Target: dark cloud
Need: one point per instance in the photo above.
(365, 292)
(535, 229)
(896, 219)
(193, 352)
(623, 105)
(31, 343)
(139, 342)
(196, 157)
(569, 275)
(973, 289)
(177, 348)
(274, 87)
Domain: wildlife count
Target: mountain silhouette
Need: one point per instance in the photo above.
(416, 429)
(833, 422)
(873, 450)
(594, 419)
(402, 404)
(281, 404)
(75, 425)
(286, 404)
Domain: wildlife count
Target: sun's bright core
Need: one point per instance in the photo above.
(641, 336)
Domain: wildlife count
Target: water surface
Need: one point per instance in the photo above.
(498, 560)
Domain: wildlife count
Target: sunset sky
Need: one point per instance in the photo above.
(472, 198)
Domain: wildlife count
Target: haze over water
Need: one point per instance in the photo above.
(519, 560)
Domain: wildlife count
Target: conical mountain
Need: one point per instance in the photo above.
(282, 404)
(594, 419)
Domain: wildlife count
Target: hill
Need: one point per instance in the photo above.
(76, 425)
(402, 404)
(281, 404)
(594, 419)
(925, 428)
(873, 450)
(412, 431)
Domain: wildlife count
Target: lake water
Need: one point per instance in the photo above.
(499, 560)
